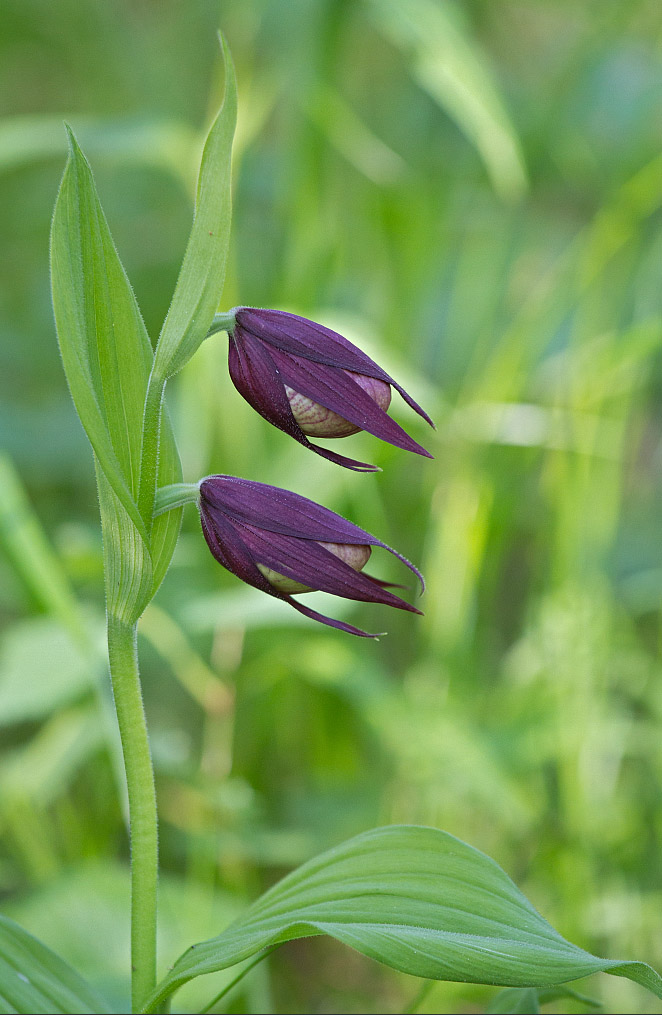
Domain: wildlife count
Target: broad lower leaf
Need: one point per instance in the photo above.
(200, 281)
(417, 899)
(34, 979)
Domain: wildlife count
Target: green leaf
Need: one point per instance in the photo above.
(446, 63)
(34, 979)
(105, 350)
(127, 563)
(201, 278)
(418, 900)
(107, 358)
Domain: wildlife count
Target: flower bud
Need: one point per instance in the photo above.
(309, 381)
(281, 543)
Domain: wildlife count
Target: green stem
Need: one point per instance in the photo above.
(150, 448)
(223, 322)
(149, 457)
(123, 654)
(175, 495)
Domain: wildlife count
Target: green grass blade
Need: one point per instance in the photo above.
(446, 64)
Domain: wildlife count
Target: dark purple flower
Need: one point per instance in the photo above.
(310, 381)
(282, 543)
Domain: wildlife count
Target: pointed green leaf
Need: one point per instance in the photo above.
(200, 281)
(101, 334)
(107, 358)
(417, 899)
(35, 979)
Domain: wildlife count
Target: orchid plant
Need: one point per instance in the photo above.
(411, 897)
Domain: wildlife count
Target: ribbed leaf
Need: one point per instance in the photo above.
(102, 337)
(34, 979)
(107, 358)
(127, 563)
(416, 899)
(200, 281)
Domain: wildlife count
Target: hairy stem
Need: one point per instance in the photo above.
(123, 654)
(223, 322)
(175, 495)
(149, 461)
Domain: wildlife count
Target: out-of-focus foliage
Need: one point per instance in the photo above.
(477, 203)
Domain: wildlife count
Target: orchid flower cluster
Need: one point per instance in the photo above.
(308, 381)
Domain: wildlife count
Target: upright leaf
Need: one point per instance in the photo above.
(201, 278)
(35, 979)
(107, 358)
(100, 330)
(417, 899)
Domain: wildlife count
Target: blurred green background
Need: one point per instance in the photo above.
(472, 192)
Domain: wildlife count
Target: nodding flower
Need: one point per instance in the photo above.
(309, 381)
(283, 544)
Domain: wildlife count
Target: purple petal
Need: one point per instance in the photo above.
(306, 561)
(232, 553)
(310, 340)
(230, 550)
(329, 621)
(256, 377)
(277, 510)
(336, 390)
